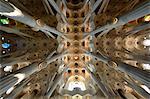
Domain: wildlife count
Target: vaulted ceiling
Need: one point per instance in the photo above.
(74, 49)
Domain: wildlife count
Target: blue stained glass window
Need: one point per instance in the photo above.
(5, 45)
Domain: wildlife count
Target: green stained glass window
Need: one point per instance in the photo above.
(4, 21)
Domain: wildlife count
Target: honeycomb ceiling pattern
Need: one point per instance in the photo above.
(74, 49)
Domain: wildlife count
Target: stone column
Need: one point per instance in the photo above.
(10, 11)
(101, 86)
(137, 73)
(141, 75)
(16, 77)
(55, 6)
(14, 31)
(138, 28)
(97, 3)
(138, 89)
(55, 83)
(13, 79)
(18, 89)
(141, 11)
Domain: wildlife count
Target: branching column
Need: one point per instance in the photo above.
(15, 78)
(53, 3)
(141, 11)
(18, 89)
(55, 83)
(138, 89)
(10, 11)
(93, 9)
(139, 74)
(101, 86)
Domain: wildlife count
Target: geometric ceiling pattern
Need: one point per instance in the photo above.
(74, 49)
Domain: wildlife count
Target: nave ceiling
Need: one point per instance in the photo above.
(75, 49)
